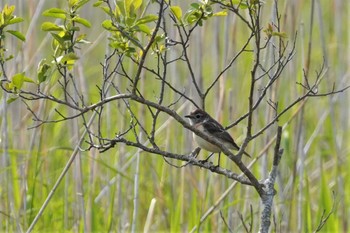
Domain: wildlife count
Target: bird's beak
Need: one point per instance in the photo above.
(189, 116)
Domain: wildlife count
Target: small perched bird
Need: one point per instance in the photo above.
(205, 123)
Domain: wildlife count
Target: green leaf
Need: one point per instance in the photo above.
(196, 6)
(147, 19)
(7, 59)
(43, 69)
(55, 13)
(15, 20)
(81, 39)
(48, 26)
(68, 58)
(8, 10)
(192, 17)
(144, 28)
(137, 4)
(18, 80)
(208, 10)
(159, 38)
(106, 10)
(28, 80)
(72, 3)
(82, 21)
(76, 29)
(130, 21)
(240, 3)
(8, 86)
(58, 38)
(17, 34)
(127, 6)
(220, 13)
(107, 24)
(98, 3)
(11, 99)
(176, 10)
(55, 10)
(81, 3)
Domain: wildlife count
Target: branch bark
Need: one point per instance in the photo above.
(269, 191)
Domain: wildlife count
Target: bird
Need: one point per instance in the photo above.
(206, 124)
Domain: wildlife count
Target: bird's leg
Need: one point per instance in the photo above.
(218, 160)
(196, 152)
(206, 160)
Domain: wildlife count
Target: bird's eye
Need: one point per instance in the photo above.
(198, 116)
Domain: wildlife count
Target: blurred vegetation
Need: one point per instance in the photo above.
(98, 192)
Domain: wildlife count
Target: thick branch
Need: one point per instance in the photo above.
(269, 191)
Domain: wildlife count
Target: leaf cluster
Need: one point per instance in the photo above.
(7, 18)
(126, 26)
(196, 13)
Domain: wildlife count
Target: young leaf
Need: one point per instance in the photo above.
(107, 24)
(144, 28)
(127, 6)
(48, 26)
(11, 99)
(82, 21)
(28, 80)
(55, 13)
(18, 80)
(58, 38)
(81, 39)
(70, 57)
(7, 59)
(43, 69)
(17, 34)
(72, 3)
(8, 10)
(55, 10)
(137, 4)
(176, 10)
(220, 13)
(195, 6)
(9, 86)
(98, 3)
(15, 20)
(146, 19)
(81, 3)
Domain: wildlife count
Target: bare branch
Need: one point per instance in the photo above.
(148, 46)
(228, 65)
(223, 219)
(325, 217)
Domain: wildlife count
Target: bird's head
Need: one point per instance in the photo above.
(197, 116)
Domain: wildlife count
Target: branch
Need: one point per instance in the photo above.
(324, 217)
(187, 158)
(223, 219)
(148, 46)
(267, 198)
(229, 65)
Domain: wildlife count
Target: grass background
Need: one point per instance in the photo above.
(125, 189)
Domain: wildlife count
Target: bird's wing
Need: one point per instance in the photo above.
(214, 128)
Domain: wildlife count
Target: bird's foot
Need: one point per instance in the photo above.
(204, 160)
